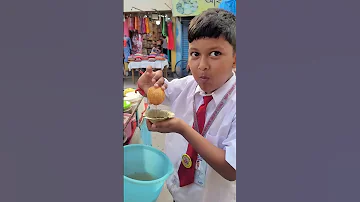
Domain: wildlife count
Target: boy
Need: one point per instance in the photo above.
(194, 99)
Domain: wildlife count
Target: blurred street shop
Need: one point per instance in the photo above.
(155, 32)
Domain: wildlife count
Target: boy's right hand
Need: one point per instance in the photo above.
(151, 78)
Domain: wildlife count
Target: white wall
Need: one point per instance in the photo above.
(147, 5)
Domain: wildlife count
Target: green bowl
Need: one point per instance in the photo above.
(127, 105)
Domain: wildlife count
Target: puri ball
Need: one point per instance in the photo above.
(155, 96)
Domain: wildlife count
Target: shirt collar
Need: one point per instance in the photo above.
(220, 92)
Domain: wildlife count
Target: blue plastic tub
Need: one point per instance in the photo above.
(145, 134)
(139, 159)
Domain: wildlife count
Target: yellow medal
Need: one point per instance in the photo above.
(186, 161)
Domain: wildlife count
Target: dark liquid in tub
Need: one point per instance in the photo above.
(141, 176)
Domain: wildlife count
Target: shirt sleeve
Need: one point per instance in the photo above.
(174, 88)
(230, 145)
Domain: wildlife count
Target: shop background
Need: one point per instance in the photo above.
(182, 13)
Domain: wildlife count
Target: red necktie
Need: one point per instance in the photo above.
(187, 175)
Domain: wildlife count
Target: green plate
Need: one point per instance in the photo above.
(127, 105)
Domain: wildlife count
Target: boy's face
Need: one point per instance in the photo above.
(211, 61)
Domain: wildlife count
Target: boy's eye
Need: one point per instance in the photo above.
(215, 53)
(194, 54)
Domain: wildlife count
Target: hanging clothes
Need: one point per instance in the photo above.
(140, 41)
(137, 24)
(165, 46)
(137, 43)
(141, 25)
(170, 36)
(147, 25)
(164, 43)
(127, 48)
(126, 28)
(164, 27)
(131, 23)
(143, 28)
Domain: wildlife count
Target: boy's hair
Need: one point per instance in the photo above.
(214, 23)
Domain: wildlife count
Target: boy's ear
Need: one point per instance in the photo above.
(234, 60)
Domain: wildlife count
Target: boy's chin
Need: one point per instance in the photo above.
(207, 89)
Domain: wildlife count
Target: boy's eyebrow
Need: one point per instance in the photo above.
(193, 49)
(216, 48)
(209, 49)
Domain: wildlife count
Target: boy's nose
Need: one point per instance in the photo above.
(204, 65)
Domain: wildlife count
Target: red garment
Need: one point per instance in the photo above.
(170, 36)
(126, 28)
(187, 175)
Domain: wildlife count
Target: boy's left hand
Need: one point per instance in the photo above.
(174, 125)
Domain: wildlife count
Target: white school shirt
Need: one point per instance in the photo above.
(222, 133)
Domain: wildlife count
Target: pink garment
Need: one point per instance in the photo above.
(170, 36)
(126, 28)
(130, 23)
(140, 43)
